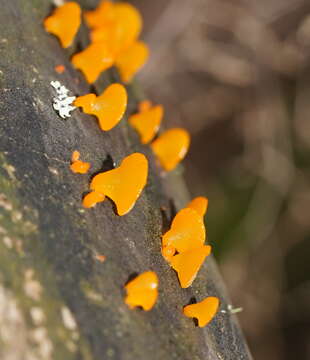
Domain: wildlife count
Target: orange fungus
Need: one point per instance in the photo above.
(64, 22)
(93, 60)
(60, 69)
(92, 198)
(144, 105)
(147, 122)
(187, 231)
(102, 15)
(120, 26)
(80, 167)
(199, 204)
(131, 60)
(142, 291)
(100, 258)
(109, 107)
(171, 147)
(124, 184)
(187, 264)
(203, 311)
(75, 156)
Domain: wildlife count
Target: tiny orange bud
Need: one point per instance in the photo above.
(92, 198)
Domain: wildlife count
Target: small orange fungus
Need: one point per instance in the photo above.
(109, 107)
(171, 147)
(142, 291)
(80, 167)
(100, 258)
(120, 26)
(187, 264)
(199, 204)
(144, 105)
(203, 311)
(131, 60)
(93, 60)
(124, 184)
(187, 231)
(75, 156)
(92, 198)
(147, 122)
(60, 69)
(64, 22)
(102, 15)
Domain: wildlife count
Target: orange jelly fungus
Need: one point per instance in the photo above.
(124, 184)
(100, 258)
(92, 198)
(187, 231)
(144, 105)
(147, 122)
(96, 58)
(142, 291)
(199, 204)
(109, 107)
(171, 147)
(64, 22)
(203, 311)
(131, 60)
(187, 264)
(102, 15)
(75, 156)
(60, 69)
(120, 27)
(80, 167)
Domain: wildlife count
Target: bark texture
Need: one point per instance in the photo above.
(56, 300)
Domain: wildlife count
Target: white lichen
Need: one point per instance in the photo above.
(62, 103)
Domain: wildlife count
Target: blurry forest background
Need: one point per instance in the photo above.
(236, 74)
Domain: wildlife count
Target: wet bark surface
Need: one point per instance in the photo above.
(57, 301)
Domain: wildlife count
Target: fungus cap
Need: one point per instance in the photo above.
(121, 30)
(187, 264)
(187, 231)
(92, 61)
(109, 107)
(124, 184)
(131, 60)
(171, 147)
(80, 167)
(203, 311)
(147, 122)
(102, 15)
(64, 22)
(142, 291)
(199, 204)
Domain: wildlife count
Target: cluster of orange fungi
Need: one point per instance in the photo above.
(114, 32)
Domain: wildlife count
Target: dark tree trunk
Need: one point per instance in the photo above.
(49, 242)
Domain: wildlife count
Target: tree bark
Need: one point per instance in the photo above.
(57, 301)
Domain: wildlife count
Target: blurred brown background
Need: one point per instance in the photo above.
(236, 74)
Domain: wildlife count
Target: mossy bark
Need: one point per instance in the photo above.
(56, 300)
